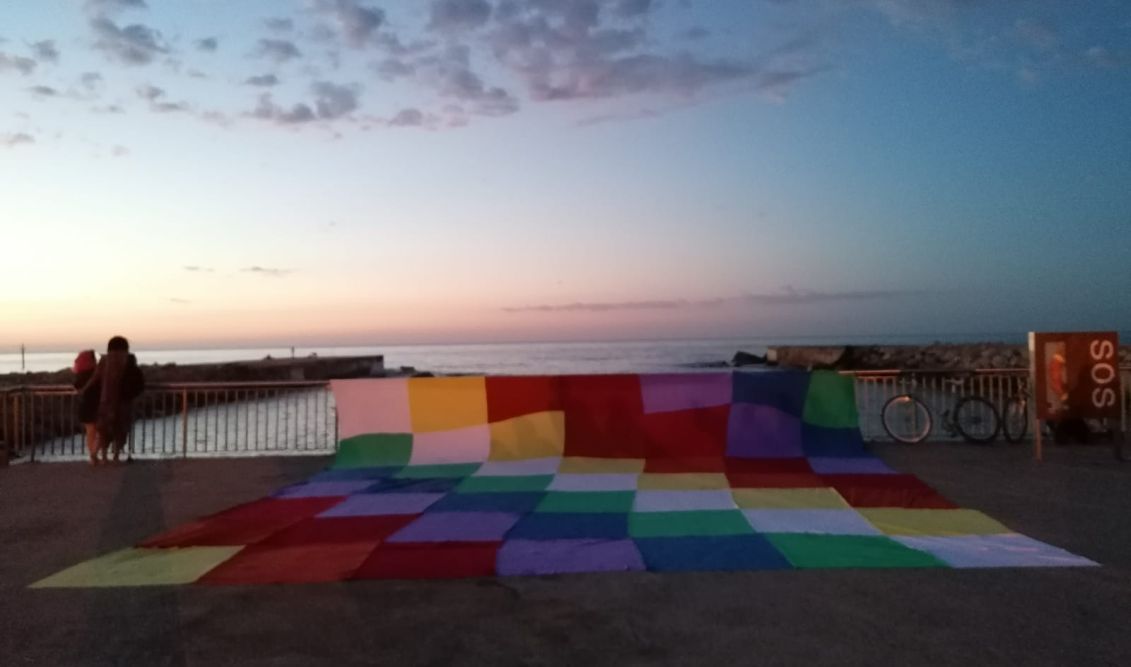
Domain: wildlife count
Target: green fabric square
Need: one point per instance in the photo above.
(581, 502)
(831, 401)
(374, 450)
(682, 524)
(438, 470)
(504, 483)
(805, 550)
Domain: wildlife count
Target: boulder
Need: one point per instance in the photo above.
(747, 359)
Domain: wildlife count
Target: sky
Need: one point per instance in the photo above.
(199, 173)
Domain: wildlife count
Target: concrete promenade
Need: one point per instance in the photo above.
(55, 515)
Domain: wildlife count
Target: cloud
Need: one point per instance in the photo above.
(787, 297)
(208, 44)
(1036, 34)
(452, 16)
(631, 8)
(197, 269)
(91, 80)
(266, 109)
(355, 21)
(407, 118)
(149, 92)
(16, 139)
(100, 6)
(1102, 57)
(43, 91)
(134, 44)
(45, 51)
(333, 101)
(279, 50)
(279, 24)
(574, 50)
(267, 271)
(695, 34)
(392, 69)
(262, 80)
(450, 75)
(24, 66)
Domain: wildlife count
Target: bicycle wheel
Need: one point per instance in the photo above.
(1015, 419)
(976, 420)
(906, 419)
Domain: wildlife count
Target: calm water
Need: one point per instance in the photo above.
(510, 358)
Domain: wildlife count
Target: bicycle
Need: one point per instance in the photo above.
(1015, 413)
(907, 419)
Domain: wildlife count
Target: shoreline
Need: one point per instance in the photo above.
(934, 356)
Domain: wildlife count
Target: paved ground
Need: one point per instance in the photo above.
(55, 515)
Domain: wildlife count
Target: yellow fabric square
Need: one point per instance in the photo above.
(532, 436)
(683, 481)
(810, 498)
(589, 464)
(445, 404)
(932, 522)
(141, 567)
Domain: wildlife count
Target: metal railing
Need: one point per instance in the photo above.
(179, 420)
(282, 418)
(940, 390)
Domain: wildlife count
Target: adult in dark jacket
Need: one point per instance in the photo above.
(86, 407)
(119, 381)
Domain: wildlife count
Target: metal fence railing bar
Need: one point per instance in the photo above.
(38, 423)
(180, 420)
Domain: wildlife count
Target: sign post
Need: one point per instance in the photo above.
(1074, 376)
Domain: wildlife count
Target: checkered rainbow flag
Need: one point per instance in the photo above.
(485, 476)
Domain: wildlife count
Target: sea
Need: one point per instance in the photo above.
(513, 358)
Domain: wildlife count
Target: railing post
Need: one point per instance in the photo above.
(184, 423)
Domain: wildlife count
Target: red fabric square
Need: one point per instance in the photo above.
(701, 432)
(261, 564)
(603, 416)
(798, 466)
(443, 560)
(509, 397)
(339, 530)
(244, 524)
(694, 464)
(905, 491)
(774, 480)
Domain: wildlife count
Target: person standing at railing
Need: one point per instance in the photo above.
(86, 410)
(119, 381)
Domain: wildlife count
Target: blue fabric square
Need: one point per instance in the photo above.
(414, 485)
(716, 553)
(518, 503)
(784, 390)
(558, 526)
(349, 474)
(832, 442)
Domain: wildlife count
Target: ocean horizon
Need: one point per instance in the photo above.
(514, 358)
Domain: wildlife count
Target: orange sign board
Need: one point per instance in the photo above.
(1076, 375)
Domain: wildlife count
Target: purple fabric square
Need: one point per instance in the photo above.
(761, 431)
(685, 391)
(324, 489)
(376, 504)
(457, 527)
(864, 465)
(517, 557)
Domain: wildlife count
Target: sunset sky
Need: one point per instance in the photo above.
(208, 172)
